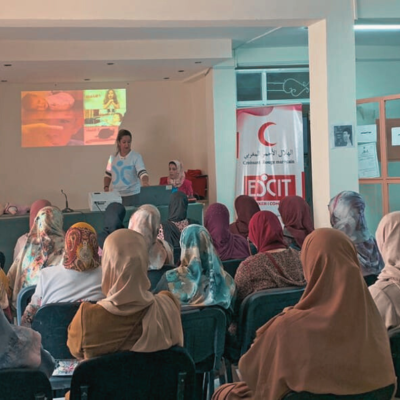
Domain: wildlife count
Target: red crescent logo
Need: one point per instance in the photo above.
(261, 136)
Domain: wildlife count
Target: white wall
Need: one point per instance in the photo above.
(160, 115)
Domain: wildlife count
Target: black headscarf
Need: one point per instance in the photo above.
(113, 220)
(177, 212)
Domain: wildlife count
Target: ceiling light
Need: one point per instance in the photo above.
(87, 79)
(198, 62)
(181, 70)
(7, 65)
(4, 80)
(110, 63)
(377, 27)
(166, 77)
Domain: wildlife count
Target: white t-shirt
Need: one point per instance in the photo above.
(57, 284)
(125, 173)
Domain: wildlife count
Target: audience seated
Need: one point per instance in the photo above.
(130, 317)
(200, 280)
(21, 348)
(177, 179)
(347, 215)
(274, 266)
(44, 248)
(171, 229)
(35, 208)
(227, 245)
(386, 290)
(333, 341)
(78, 278)
(113, 220)
(296, 216)
(146, 221)
(245, 207)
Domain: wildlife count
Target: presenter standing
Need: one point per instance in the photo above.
(125, 171)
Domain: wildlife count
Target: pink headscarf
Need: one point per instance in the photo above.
(35, 208)
(181, 177)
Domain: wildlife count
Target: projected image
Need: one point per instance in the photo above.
(71, 118)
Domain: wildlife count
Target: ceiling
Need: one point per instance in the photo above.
(142, 70)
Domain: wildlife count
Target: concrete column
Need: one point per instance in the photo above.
(333, 102)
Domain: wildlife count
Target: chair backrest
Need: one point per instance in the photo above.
(394, 337)
(155, 275)
(204, 330)
(231, 266)
(23, 299)
(177, 255)
(385, 393)
(163, 375)
(24, 384)
(52, 321)
(258, 308)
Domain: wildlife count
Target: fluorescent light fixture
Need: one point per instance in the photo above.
(377, 27)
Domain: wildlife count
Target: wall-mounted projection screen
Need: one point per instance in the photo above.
(71, 117)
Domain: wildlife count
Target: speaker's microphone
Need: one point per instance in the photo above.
(66, 209)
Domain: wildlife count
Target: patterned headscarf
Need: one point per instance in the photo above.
(81, 248)
(35, 208)
(200, 279)
(347, 215)
(44, 247)
(181, 174)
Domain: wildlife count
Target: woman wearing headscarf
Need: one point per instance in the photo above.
(177, 179)
(171, 229)
(44, 248)
(78, 278)
(146, 221)
(245, 207)
(347, 215)
(296, 216)
(200, 280)
(4, 295)
(113, 220)
(227, 245)
(386, 290)
(336, 336)
(136, 319)
(35, 208)
(21, 348)
(274, 266)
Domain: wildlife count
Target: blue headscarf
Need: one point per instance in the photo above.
(347, 215)
(200, 280)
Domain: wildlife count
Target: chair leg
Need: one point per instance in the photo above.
(228, 366)
(222, 373)
(205, 386)
(210, 385)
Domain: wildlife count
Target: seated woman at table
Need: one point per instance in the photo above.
(78, 278)
(35, 208)
(135, 319)
(177, 179)
(44, 248)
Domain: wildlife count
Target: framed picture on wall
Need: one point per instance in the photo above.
(342, 136)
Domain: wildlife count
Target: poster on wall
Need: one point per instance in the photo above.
(269, 159)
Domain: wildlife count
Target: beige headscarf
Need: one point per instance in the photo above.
(332, 341)
(126, 286)
(146, 220)
(388, 240)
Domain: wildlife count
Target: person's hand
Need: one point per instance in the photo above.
(106, 189)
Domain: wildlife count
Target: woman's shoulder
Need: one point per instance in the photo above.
(164, 180)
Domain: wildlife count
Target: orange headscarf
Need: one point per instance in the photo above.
(332, 341)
